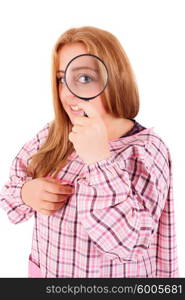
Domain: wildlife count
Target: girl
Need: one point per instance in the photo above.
(100, 188)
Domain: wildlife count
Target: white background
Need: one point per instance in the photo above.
(152, 33)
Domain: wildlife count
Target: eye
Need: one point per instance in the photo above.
(61, 80)
(85, 79)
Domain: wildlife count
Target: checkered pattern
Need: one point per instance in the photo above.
(118, 223)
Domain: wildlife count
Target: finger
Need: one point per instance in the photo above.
(57, 188)
(77, 128)
(56, 181)
(89, 109)
(47, 212)
(52, 206)
(65, 182)
(67, 189)
(83, 121)
(57, 198)
(60, 181)
(51, 179)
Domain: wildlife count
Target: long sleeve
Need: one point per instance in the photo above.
(10, 195)
(120, 200)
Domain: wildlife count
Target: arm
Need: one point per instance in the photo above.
(120, 201)
(10, 195)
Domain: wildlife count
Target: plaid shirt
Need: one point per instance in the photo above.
(118, 223)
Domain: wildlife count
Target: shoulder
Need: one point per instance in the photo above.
(145, 148)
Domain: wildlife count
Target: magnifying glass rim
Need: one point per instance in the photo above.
(85, 54)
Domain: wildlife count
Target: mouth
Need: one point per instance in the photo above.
(74, 109)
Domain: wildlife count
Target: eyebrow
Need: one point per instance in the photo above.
(84, 68)
(79, 68)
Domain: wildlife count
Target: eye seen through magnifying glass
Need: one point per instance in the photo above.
(86, 76)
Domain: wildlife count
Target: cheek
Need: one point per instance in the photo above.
(60, 92)
(62, 96)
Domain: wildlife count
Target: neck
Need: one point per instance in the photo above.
(116, 127)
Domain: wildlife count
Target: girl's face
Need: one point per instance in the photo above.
(68, 100)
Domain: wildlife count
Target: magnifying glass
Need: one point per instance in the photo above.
(86, 76)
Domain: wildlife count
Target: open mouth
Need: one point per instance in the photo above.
(76, 110)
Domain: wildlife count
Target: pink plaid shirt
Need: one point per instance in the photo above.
(118, 223)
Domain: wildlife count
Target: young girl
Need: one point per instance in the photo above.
(99, 187)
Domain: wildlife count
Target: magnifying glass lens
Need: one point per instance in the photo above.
(86, 76)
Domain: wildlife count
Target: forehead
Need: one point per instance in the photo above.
(68, 52)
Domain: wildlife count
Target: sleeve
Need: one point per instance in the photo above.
(10, 195)
(120, 201)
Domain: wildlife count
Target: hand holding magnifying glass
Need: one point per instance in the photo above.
(89, 135)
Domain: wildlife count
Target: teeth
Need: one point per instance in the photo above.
(75, 107)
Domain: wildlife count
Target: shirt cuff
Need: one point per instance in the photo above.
(12, 198)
